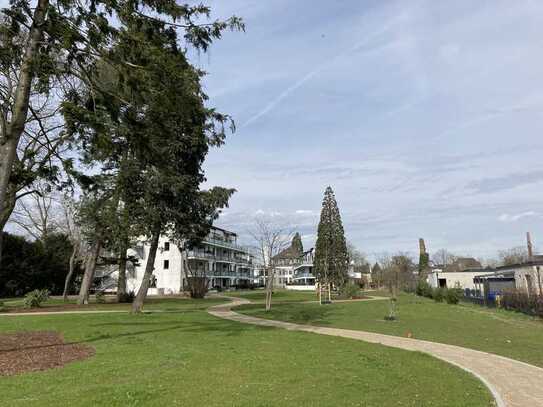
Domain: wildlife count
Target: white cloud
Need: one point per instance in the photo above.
(505, 217)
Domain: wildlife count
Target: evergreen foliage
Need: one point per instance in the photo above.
(150, 142)
(52, 48)
(34, 265)
(35, 298)
(297, 245)
(424, 263)
(331, 256)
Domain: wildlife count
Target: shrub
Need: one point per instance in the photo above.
(453, 295)
(423, 289)
(1, 305)
(392, 310)
(100, 297)
(349, 290)
(518, 300)
(35, 298)
(438, 294)
(127, 297)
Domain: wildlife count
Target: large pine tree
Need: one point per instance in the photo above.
(331, 256)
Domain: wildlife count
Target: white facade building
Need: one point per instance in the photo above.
(219, 257)
(302, 274)
(451, 279)
(490, 282)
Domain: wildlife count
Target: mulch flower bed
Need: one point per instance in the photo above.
(39, 350)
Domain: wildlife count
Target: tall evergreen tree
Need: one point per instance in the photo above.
(297, 245)
(152, 142)
(331, 256)
(50, 45)
(377, 275)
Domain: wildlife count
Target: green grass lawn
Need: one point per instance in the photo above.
(189, 358)
(279, 295)
(163, 303)
(501, 332)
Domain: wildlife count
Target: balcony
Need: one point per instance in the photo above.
(200, 255)
(229, 274)
(224, 243)
(303, 265)
(303, 275)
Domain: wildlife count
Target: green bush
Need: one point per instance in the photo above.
(453, 295)
(100, 297)
(127, 297)
(438, 294)
(424, 289)
(1, 305)
(349, 291)
(35, 298)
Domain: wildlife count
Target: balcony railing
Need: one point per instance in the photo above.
(224, 243)
(215, 257)
(229, 274)
(304, 275)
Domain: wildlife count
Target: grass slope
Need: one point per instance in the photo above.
(497, 331)
(189, 358)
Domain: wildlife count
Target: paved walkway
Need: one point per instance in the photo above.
(513, 383)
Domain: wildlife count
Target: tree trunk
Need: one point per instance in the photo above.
(8, 207)
(121, 280)
(539, 280)
(73, 258)
(10, 140)
(269, 289)
(137, 305)
(90, 268)
(125, 240)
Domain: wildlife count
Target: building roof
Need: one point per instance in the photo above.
(537, 261)
(294, 251)
(463, 263)
(289, 253)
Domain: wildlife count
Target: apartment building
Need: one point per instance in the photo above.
(219, 257)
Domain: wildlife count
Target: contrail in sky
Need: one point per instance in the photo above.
(283, 95)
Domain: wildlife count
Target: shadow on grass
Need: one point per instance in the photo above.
(308, 315)
(226, 328)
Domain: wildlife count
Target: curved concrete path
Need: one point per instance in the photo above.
(512, 383)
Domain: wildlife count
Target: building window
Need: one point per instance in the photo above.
(166, 246)
(166, 264)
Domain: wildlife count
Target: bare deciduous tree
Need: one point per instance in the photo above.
(514, 255)
(443, 257)
(398, 272)
(39, 214)
(271, 239)
(197, 279)
(71, 228)
(357, 259)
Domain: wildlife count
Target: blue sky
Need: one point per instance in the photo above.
(425, 117)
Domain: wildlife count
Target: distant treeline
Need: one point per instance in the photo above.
(29, 265)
